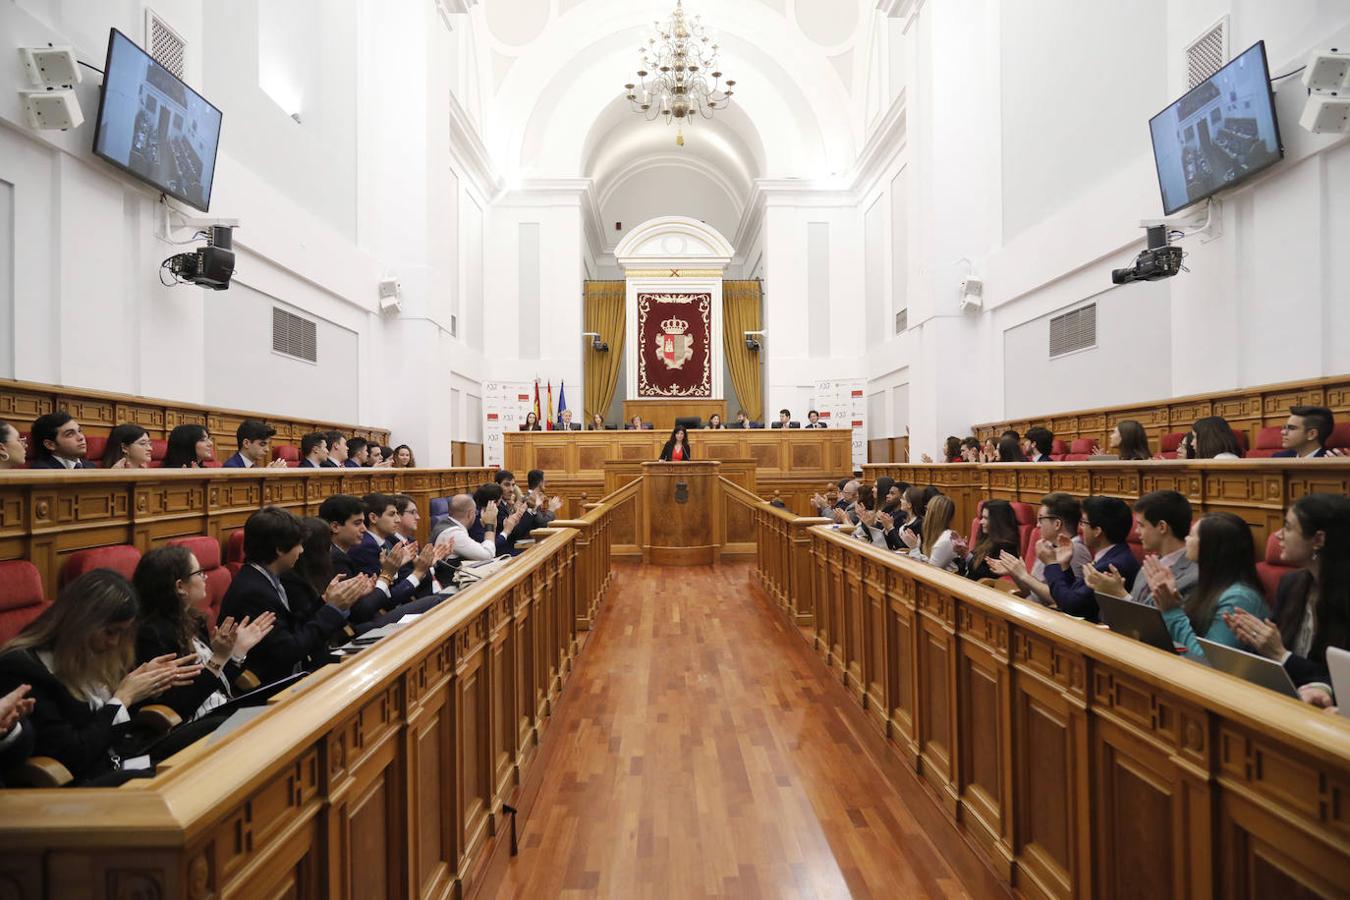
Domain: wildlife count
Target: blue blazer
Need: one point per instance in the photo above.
(365, 556)
(234, 462)
(307, 464)
(1073, 596)
(1321, 452)
(351, 464)
(51, 462)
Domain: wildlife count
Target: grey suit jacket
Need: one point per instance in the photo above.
(1186, 573)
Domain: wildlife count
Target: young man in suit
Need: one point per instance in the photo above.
(1038, 444)
(271, 547)
(1163, 519)
(358, 451)
(337, 450)
(255, 447)
(394, 594)
(1306, 432)
(313, 450)
(784, 419)
(58, 443)
(813, 420)
(1106, 525)
(1057, 518)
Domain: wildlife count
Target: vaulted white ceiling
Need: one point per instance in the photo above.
(556, 70)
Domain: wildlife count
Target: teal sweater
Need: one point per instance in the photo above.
(1238, 596)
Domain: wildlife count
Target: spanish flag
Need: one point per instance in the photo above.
(548, 423)
(536, 399)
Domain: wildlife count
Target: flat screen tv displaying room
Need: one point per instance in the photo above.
(1221, 132)
(155, 127)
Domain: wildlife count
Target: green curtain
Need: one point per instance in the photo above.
(741, 312)
(604, 313)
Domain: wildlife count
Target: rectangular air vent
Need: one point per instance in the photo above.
(1207, 54)
(454, 325)
(294, 335)
(164, 44)
(901, 321)
(1073, 331)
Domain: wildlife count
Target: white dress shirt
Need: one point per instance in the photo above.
(465, 546)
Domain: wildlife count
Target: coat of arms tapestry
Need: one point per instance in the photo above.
(674, 345)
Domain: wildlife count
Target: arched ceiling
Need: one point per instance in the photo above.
(558, 67)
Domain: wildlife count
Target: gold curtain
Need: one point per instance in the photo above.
(741, 313)
(604, 313)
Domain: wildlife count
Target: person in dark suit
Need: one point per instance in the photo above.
(337, 450)
(172, 589)
(313, 450)
(676, 448)
(1106, 523)
(565, 421)
(75, 658)
(742, 420)
(392, 594)
(785, 420)
(813, 420)
(300, 636)
(254, 439)
(1306, 432)
(357, 452)
(56, 442)
(531, 423)
(1038, 443)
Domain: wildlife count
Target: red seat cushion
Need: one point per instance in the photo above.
(158, 450)
(1082, 445)
(21, 599)
(1058, 448)
(1272, 567)
(207, 551)
(1168, 444)
(1340, 437)
(234, 551)
(288, 452)
(94, 447)
(121, 558)
(1267, 443)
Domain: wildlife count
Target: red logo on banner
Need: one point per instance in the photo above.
(825, 414)
(492, 417)
(856, 394)
(857, 423)
(523, 397)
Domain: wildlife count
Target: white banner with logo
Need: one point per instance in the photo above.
(505, 406)
(842, 404)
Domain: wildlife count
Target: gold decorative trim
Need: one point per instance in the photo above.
(674, 273)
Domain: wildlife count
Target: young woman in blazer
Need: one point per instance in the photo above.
(677, 448)
(79, 659)
(171, 587)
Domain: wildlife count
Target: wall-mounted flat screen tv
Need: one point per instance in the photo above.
(154, 126)
(1221, 132)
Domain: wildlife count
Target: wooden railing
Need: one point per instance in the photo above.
(594, 546)
(387, 775)
(783, 553)
(98, 411)
(1079, 763)
(1246, 409)
(1258, 490)
(47, 515)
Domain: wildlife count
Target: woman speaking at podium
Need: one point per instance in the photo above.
(677, 448)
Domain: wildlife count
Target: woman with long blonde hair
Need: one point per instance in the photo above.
(940, 545)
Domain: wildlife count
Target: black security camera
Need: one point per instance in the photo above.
(1160, 260)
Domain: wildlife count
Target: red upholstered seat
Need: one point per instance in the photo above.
(1170, 442)
(94, 447)
(158, 450)
(288, 452)
(1267, 443)
(1272, 567)
(207, 551)
(1058, 448)
(21, 598)
(121, 558)
(1243, 443)
(1340, 437)
(234, 551)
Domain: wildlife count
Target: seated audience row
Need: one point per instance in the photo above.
(714, 422)
(1201, 574)
(75, 683)
(1304, 435)
(56, 441)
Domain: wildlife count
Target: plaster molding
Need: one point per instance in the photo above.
(468, 149)
(674, 242)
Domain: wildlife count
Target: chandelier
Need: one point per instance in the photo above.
(672, 83)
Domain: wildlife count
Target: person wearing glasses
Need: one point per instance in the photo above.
(1057, 519)
(128, 447)
(1306, 433)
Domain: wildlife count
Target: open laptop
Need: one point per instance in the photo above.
(1143, 623)
(1249, 667)
(1338, 661)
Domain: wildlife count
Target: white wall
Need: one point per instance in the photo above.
(364, 187)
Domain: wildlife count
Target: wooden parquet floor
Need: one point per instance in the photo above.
(701, 752)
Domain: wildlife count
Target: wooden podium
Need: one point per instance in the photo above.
(680, 502)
